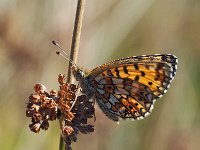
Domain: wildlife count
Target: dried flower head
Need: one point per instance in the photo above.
(72, 111)
(41, 109)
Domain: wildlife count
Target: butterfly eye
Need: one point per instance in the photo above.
(82, 73)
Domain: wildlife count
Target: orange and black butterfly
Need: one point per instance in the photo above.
(128, 87)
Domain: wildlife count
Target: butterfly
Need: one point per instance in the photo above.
(128, 87)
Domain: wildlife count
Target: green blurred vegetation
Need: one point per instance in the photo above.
(111, 29)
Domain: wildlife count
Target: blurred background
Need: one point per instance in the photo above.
(111, 29)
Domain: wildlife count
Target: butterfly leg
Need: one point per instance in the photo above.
(77, 92)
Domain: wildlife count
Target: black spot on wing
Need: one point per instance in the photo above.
(142, 73)
(125, 69)
(137, 78)
(150, 83)
(109, 72)
(136, 67)
(117, 72)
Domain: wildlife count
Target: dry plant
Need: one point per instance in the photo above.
(71, 110)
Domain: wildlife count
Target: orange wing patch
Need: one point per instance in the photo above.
(153, 75)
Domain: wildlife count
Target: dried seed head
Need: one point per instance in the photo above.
(61, 79)
(43, 107)
(45, 125)
(35, 127)
(53, 93)
(82, 112)
(67, 130)
(39, 88)
(37, 117)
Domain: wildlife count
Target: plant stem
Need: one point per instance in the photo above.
(61, 143)
(76, 36)
(74, 47)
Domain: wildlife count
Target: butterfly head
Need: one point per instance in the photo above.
(81, 76)
(78, 73)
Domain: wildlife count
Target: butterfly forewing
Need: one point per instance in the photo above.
(154, 71)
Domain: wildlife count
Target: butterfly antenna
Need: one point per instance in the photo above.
(62, 53)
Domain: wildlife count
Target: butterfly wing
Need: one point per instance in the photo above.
(125, 98)
(128, 87)
(154, 71)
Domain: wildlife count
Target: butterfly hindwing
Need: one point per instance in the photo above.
(124, 98)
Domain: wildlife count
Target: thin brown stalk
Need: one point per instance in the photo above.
(76, 36)
(74, 47)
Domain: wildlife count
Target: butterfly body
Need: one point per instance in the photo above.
(128, 87)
